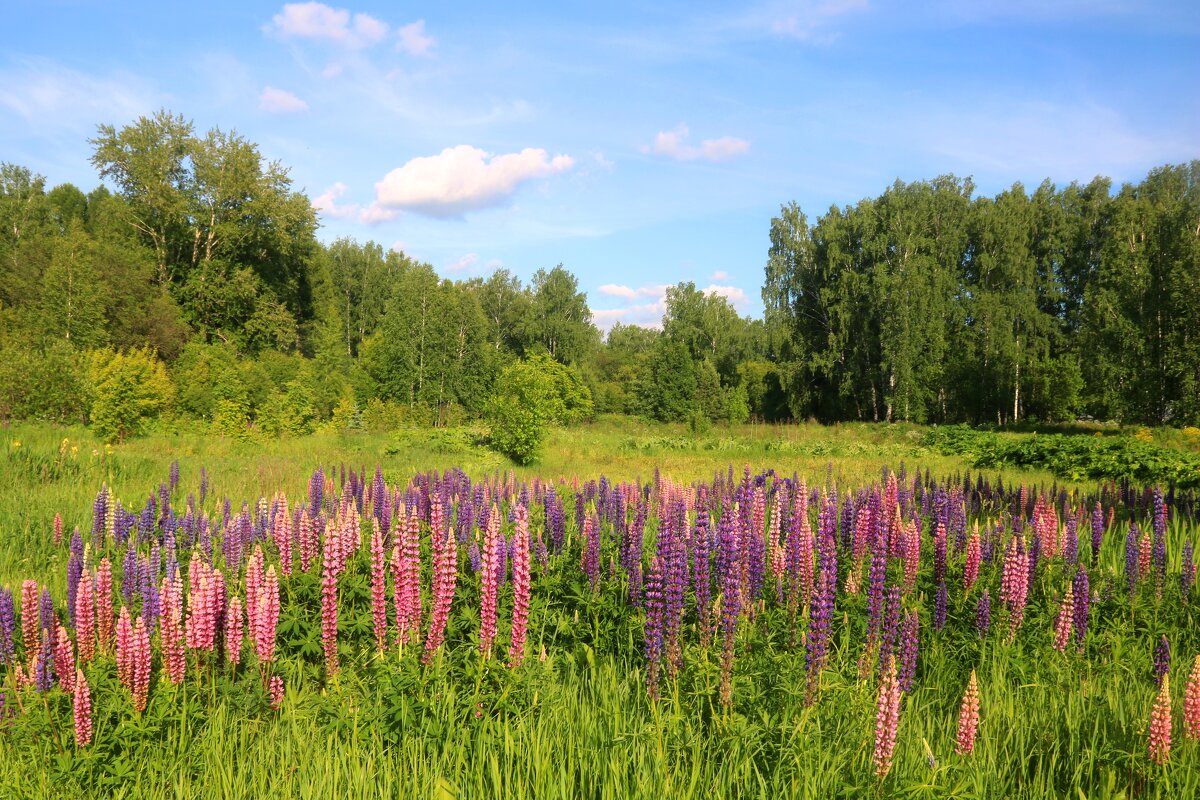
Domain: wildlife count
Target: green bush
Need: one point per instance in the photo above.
(529, 396)
(127, 389)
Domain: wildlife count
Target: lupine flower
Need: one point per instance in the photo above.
(64, 659)
(521, 586)
(83, 710)
(489, 591)
(1097, 532)
(308, 541)
(8, 626)
(329, 608)
(281, 535)
(445, 577)
(170, 629)
(655, 593)
(275, 691)
(968, 718)
(939, 607)
(125, 649)
(378, 587)
(702, 574)
(29, 616)
(266, 618)
(74, 571)
(890, 630)
(58, 530)
(971, 570)
(817, 641)
(1145, 552)
(1187, 575)
(234, 631)
(1162, 660)
(1066, 617)
(104, 607)
(887, 719)
(1160, 723)
(1191, 703)
(1082, 602)
(406, 579)
(675, 562)
(730, 601)
(140, 664)
(44, 666)
(1014, 584)
(1132, 559)
(591, 552)
(983, 614)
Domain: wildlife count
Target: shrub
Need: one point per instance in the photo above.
(127, 389)
(529, 396)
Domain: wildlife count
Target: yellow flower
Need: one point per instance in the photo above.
(16, 443)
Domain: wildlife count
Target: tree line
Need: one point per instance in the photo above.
(195, 290)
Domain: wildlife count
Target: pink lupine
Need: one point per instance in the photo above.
(1014, 584)
(776, 555)
(308, 541)
(104, 607)
(64, 659)
(912, 555)
(83, 710)
(140, 664)
(29, 617)
(234, 631)
(1191, 703)
(275, 691)
(378, 587)
(329, 608)
(255, 580)
(406, 579)
(58, 529)
(805, 544)
(170, 628)
(85, 618)
(266, 618)
(445, 576)
(125, 649)
(1145, 546)
(521, 587)
(489, 593)
(971, 570)
(1062, 626)
(887, 719)
(281, 535)
(1160, 724)
(968, 718)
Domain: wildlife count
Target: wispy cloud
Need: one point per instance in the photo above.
(413, 40)
(326, 203)
(673, 144)
(812, 22)
(463, 264)
(48, 95)
(462, 179)
(323, 23)
(280, 101)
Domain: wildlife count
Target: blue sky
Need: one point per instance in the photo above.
(639, 144)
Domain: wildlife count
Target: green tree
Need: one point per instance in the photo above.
(531, 395)
(127, 389)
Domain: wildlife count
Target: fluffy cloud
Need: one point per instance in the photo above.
(673, 144)
(326, 203)
(627, 293)
(735, 295)
(461, 179)
(462, 264)
(719, 275)
(413, 39)
(319, 21)
(278, 101)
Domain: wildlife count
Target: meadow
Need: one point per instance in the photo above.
(758, 611)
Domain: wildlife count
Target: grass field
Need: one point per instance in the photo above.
(576, 719)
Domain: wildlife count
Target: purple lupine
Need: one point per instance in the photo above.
(1081, 590)
(890, 630)
(100, 514)
(203, 485)
(44, 669)
(1071, 546)
(74, 570)
(816, 643)
(655, 621)
(701, 575)
(1131, 558)
(8, 626)
(983, 614)
(909, 644)
(1159, 549)
(46, 615)
(1162, 660)
(730, 554)
(1097, 532)
(939, 608)
(875, 592)
(591, 552)
(676, 586)
(316, 493)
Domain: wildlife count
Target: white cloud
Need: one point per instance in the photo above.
(465, 263)
(616, 290)
(719, 275)
(413, 39)
(47, 95)
(319, 21)
(399, 246)
(735, 295)
(647, 315)
(811, 22)
(278, 101)
(326, 203)
(673, 144)
(461, 179)
(375, 213)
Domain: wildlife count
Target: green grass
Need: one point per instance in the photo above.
(576, 720)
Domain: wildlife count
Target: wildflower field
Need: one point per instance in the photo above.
(856, 617)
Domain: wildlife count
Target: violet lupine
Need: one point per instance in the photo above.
(983, 614)
(875, 597)
(1160, 541)
(74, 571)
(234, 631)
(170, 629)
(489, 590)
(890, 630)
(730, 554)
(8, 626)
(591, 552)
(654, 634)
(378, 587)
(676, 569)
(968, 718)
(1187, 575)
(1014, 584)
(82, 702)
(702, 576)
(1160, 723)
(816, 642)
(939, 607)
(1162, 660)
(445, 577)
(1132, 559)
(521, 585)
(44, 663)
(971, 570)
(1097, 532)
(909, 645)
(1065, 620)
(887, 719)
(1082, 601)
(1191, 703)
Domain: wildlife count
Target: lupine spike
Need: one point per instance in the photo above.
(1191, 703)
(968, 718)
(887, 719)
(1160, 723)
(82, 710)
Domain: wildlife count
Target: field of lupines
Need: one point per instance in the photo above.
(749, 635)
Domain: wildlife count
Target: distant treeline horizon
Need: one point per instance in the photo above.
(924, 304)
